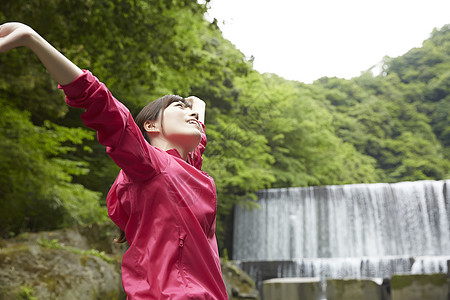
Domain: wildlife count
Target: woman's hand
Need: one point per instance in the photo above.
(13, 35)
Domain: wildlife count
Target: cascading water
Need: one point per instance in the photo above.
(359, 230)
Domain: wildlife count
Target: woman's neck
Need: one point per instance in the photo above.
(166, 145)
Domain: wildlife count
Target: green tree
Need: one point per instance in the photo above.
(37, 190)
(263, 131)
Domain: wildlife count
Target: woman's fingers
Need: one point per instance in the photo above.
(13, 35)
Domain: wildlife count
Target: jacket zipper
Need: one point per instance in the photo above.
(181, 266)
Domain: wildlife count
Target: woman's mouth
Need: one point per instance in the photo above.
(194, 122)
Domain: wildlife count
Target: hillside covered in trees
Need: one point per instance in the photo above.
(263, 131)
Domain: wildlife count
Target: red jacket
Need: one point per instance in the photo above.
(165, 205)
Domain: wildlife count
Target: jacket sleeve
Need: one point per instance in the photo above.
(195, 157)
(115, 127)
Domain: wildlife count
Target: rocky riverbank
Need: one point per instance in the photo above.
(79, 263)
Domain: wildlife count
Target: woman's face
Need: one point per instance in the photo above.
(180, 126)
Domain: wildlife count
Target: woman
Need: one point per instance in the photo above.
(161, 200)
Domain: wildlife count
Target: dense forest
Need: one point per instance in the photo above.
(263, 131)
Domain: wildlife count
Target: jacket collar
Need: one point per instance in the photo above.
(174, 152)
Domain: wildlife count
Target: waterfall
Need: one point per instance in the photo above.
(359, 230)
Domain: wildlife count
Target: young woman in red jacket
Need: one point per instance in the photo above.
(162, 200)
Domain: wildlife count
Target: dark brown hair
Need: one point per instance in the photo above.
(150, 112)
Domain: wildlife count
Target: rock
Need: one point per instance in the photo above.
(239, 284)
(356, 289)
(93, 236)
(56, 274)
(80, 263)
(292, 288)
(419, 287)
(73, 263)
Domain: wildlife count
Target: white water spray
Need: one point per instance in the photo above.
(360, 230)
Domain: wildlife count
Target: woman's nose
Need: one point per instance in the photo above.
(194, 114)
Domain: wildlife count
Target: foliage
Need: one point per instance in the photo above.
(263, 131)
(37, 192)
(300, 133)
(54, 244)
(422, 76)
(400, 118)
(26, 293)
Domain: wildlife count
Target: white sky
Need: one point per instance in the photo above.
(305, 40)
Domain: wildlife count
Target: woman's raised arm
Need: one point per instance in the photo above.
(13, 35)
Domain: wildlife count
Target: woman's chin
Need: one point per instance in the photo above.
(188, 140)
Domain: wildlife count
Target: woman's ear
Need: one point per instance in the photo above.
(150, 127)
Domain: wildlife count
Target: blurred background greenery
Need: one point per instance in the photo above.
(263, 131)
